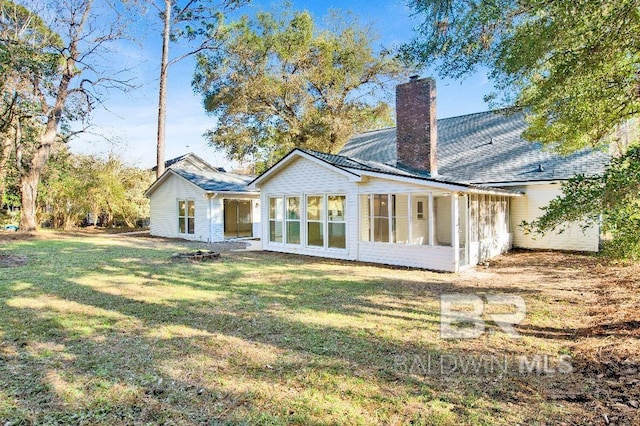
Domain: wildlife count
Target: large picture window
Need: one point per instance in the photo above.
(315, 220)
(336, 208)
(276, 216)
(293, 220)
(186, 216)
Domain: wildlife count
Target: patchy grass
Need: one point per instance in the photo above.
(101, 329)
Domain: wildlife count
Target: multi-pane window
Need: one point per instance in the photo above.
(381, 218)
(315, 220)
(336, 208)
(276, 216)
(293, 220)
(186, 216)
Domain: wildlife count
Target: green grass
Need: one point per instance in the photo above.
(97, 329)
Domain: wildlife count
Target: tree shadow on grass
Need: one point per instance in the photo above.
(119, 339)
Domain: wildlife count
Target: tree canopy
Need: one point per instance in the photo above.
(574, 64)
(280, 82)
(54, 70)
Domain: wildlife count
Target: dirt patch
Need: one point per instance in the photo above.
(12, 260)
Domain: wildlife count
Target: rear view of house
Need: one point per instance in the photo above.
(436, 194)
(195, 201)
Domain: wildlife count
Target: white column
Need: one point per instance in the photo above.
(455, 227)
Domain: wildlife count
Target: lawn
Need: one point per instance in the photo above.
(100, 329)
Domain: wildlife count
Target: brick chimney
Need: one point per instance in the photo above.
(416, 131)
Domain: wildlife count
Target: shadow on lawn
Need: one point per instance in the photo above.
(120, 350)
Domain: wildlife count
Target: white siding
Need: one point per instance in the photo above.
(528, 208)
(164, 209)
(427, 257)
(217, 219)
(257, 214)
(304, 177)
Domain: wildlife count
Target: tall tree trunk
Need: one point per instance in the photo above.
(30, 178)
(7, 144)
(29, 193)
(162, 96)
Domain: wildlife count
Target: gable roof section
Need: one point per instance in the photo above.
(355, 169)
(302, 153)
(483, 148)
(191, 159)
(209, 182)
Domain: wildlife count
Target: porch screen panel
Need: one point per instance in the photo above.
(315, 220)
(442, 216)
(484, 217)
(336, 210)
(381, 218)
(420, 219)
(400, 218)
(293, 220)
(276, 216)
(473, 217)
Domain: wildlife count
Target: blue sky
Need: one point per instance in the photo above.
(128, 126)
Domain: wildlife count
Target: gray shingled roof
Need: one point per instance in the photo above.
(217, 181)
(372, 166)
(482, 148)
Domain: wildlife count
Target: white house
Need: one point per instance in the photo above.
(195, 201)
(436, 194)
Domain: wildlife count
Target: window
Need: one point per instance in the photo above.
(315, 220)
(420, 210)
(381, 218)
(336, 207)
(293, 220)
(276, 216)
(186, 217)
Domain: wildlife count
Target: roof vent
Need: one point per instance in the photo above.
(540, 168)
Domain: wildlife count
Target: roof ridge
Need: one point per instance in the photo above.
(497, 110)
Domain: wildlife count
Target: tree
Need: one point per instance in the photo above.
(63, 81)
(572, 64)
(279, 82)
(196, 21)
(574, 68)
(23, 58)
(75, 187)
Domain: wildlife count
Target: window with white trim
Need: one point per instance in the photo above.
(336, 222)
(276, 219)
(293, 220)
(315, 220)
(186, 216)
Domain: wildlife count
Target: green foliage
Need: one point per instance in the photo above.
(74, 187)
(279, 82)
(573, 64)
(610, 199)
